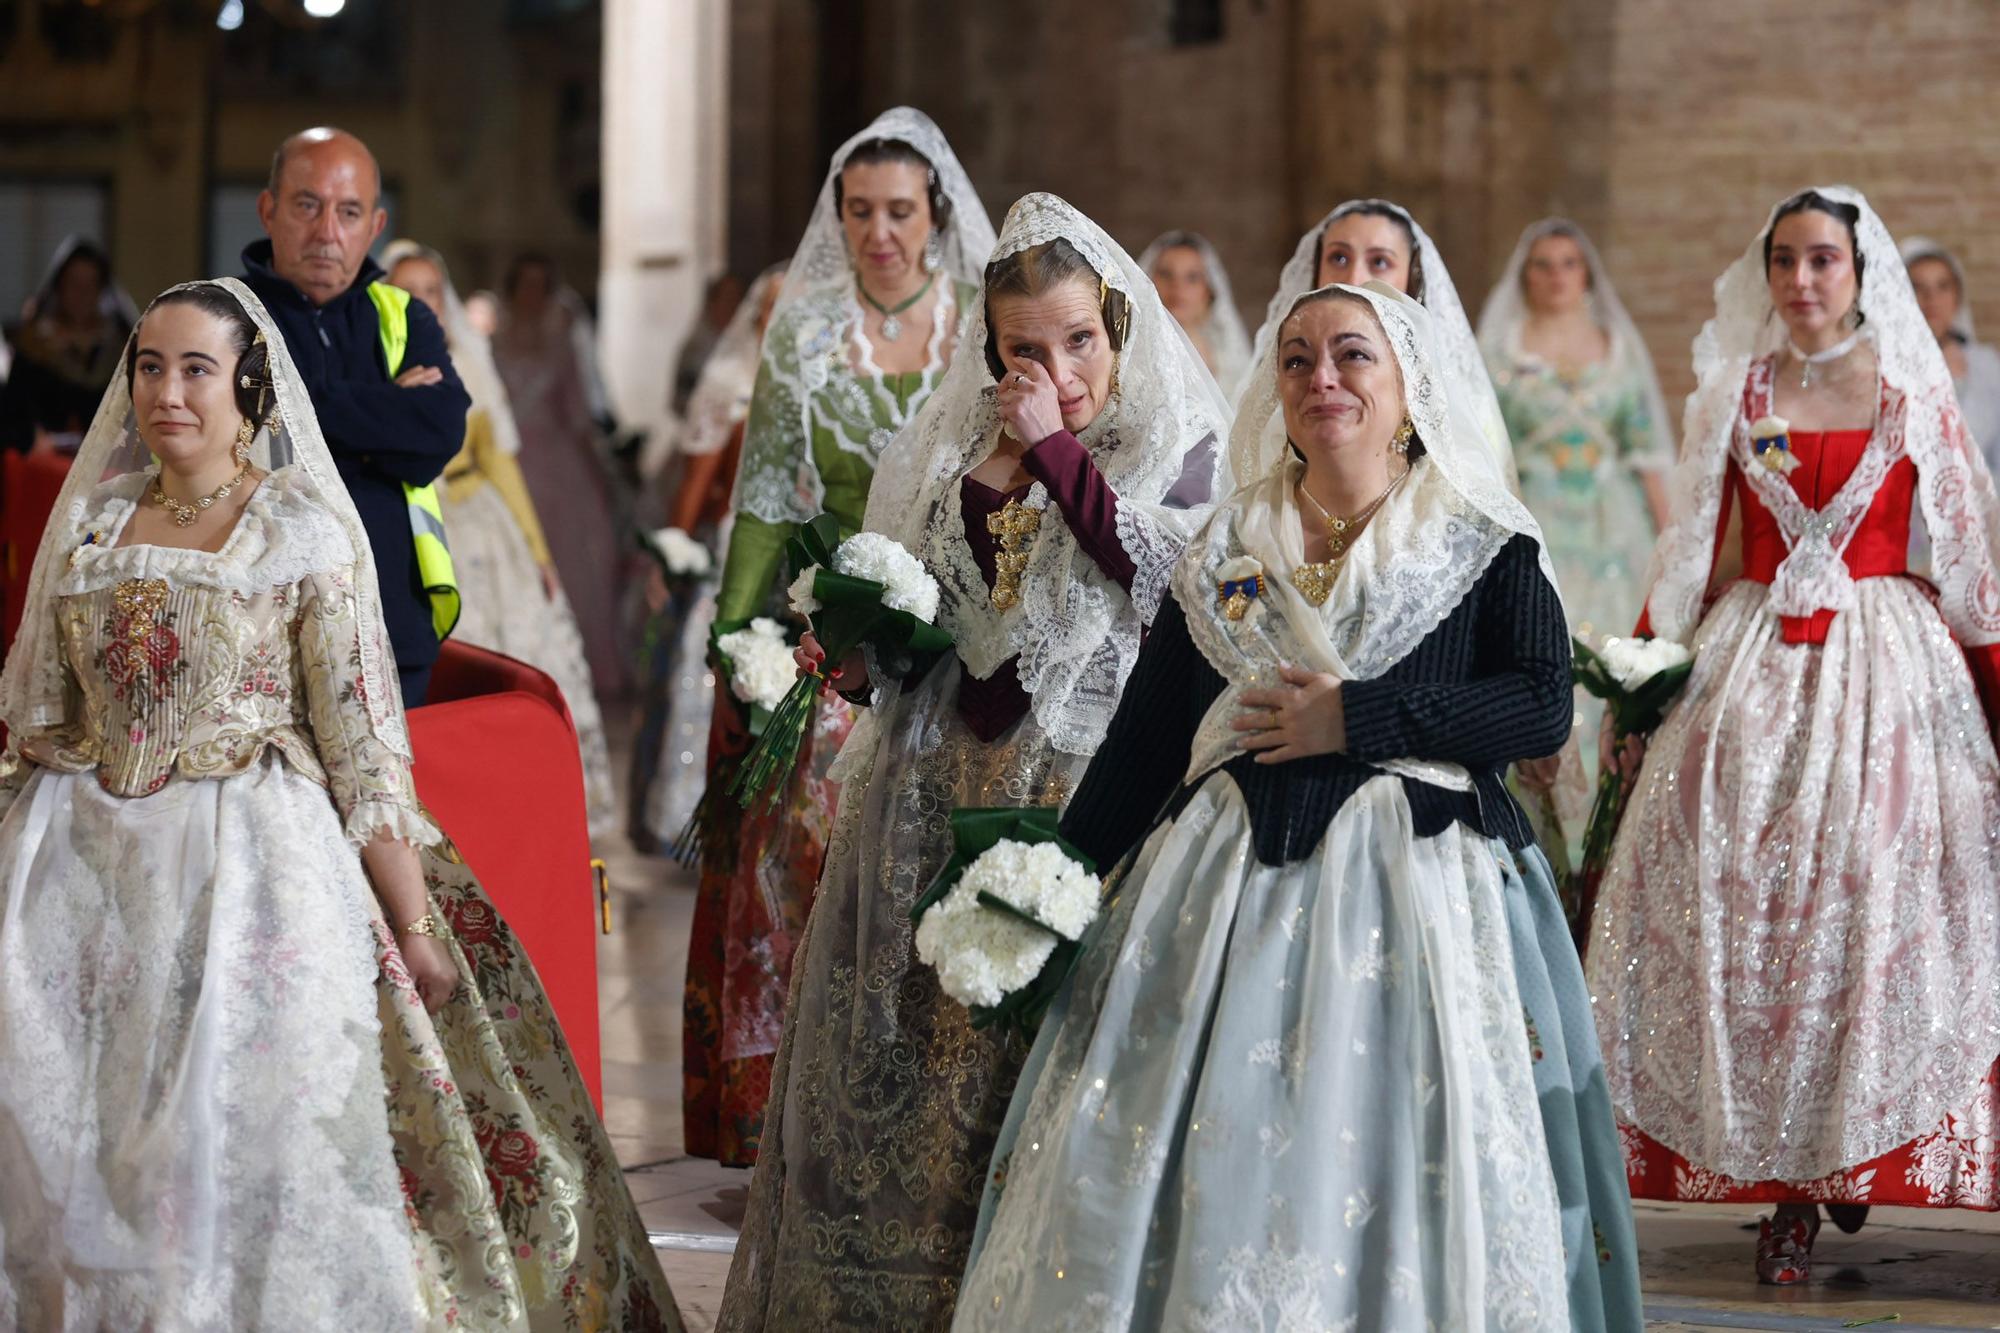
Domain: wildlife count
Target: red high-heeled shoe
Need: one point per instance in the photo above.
(1784, 1248)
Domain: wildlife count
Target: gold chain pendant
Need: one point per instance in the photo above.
(1013, 525)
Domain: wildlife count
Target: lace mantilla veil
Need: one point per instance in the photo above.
(1157, 444)
(1457, 350)
(1923, 247)
(32, 685)
(1414, 562)
(816, 311)
(1507, 310)
(471, 350)
(721, 397)
(1921, 418)
(1228, 340)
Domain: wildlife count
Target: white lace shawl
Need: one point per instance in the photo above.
(1457, 350)
(1222, 328)
(815, 347)
(1413, 563)
(1959, 508)
(31, 686)
(1506, 311)
(721, 397)
(1075, 632)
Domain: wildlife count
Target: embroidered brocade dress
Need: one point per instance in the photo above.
(1326, 1060)
(1796, 947)
(885, 1099)
(759, 869)
(222, 1103)
(1582, 446)
(498, 552)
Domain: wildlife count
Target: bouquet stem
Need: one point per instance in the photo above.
(777, 750)
(1599, 834)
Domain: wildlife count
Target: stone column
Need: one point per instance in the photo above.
(665, 193)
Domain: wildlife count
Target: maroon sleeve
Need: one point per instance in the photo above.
(1088, 504)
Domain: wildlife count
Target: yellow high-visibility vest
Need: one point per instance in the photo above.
(392, 312)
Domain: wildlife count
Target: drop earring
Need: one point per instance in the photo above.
(933, 253)
(245, 434)
(1400, 446)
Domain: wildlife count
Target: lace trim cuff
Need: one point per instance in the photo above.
(370, 818)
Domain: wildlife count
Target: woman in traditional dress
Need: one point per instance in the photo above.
(1050, 509)
(866, 321)
(669, 763)
(1795, 958)
(65, 349)
(1590, 435)
(1327, 1060)
(1194, 285)
(1939, 280)
(268, 1057)
(1373, 240)
(549, 386)
(497, 548)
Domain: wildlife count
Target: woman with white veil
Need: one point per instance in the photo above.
(1795, 956)
(1326, 1062)
(1374, 240)
(669, 757)
(512, 598)
(1195, 287)
(1591, 438)
(1939, 281)
(1069, 437)
(865, 324)
(268, 1056)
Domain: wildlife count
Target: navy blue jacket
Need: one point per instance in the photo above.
(380, 435)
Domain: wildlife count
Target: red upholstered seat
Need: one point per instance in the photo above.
(497, 764)
(29, 485)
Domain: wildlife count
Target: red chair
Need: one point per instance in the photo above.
(29, 485)
(497, 764)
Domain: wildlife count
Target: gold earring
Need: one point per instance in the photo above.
(245, 433)
(1404, 434)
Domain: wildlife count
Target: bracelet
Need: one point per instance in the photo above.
(427, 924)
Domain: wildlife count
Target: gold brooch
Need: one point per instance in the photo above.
(1013, 525)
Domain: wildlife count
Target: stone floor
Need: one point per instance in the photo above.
(1908, 1270)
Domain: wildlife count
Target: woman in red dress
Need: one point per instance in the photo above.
(1796, 955)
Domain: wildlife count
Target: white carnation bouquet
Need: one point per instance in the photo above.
(1002, 921)
(1637, 679)
(761, 669)
(865, 591)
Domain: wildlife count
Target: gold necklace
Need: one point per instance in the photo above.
(186, 514)
(1314, 580)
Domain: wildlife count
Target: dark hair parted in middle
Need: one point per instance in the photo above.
(1847, 214)
(253, 359)
(1041, 268)
(1375, 208)
(1416, 449)
(875, 151)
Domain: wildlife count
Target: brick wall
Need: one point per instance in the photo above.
(1666, 127)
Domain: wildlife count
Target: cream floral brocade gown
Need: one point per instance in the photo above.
(222, 1104)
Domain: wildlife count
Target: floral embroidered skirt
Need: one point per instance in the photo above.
(1796, 953)
(885, 1100)
(222, 1107)
(759, 869)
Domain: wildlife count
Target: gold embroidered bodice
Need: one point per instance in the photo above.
(193, 664)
